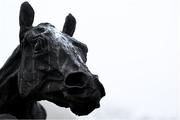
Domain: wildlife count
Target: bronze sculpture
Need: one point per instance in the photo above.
(47, 65)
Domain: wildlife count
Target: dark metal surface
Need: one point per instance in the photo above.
(47, 65)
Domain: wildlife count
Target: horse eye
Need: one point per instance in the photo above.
(38, 47)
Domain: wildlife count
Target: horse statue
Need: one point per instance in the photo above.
(47, 65)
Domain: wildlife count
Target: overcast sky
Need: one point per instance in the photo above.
(132, 47)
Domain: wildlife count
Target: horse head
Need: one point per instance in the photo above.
(53, 65)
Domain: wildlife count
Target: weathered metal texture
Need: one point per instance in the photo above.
(47, 65)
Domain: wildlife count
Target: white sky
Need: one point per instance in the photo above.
(133, 48)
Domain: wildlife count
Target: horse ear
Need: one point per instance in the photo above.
(69, 25)
(26, 18)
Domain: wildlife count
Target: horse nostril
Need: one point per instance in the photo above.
(77, 79)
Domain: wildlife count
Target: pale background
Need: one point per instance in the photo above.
(133, 48)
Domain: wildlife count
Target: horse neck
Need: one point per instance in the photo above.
(8, 78)
(10, 68)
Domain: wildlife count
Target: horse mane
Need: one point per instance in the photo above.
(11, 67)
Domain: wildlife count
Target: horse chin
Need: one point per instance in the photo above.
(81, 109)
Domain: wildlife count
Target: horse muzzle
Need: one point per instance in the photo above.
(83, 91)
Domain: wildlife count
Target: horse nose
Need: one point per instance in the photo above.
(75, 82)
